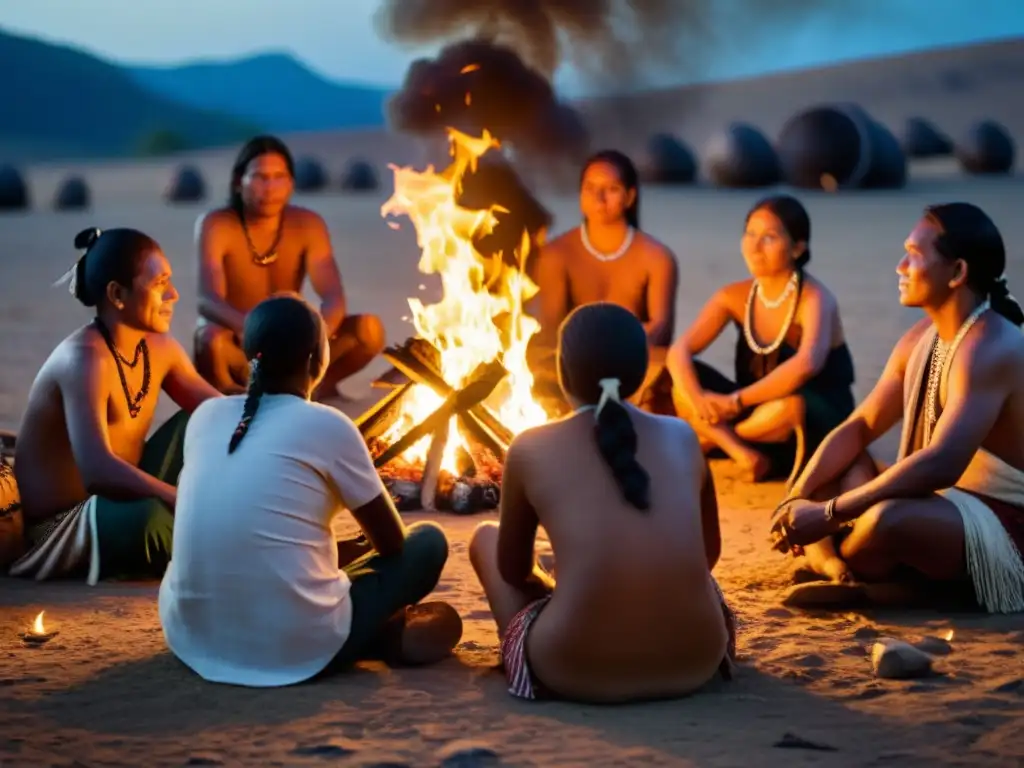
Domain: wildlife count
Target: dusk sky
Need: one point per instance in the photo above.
(337, 37)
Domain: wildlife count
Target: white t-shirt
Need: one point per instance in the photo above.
(253, 594)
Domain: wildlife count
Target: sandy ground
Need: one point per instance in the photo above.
(105, 691)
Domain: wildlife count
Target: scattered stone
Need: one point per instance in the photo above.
(792, 741)
(186, 186)
(323, 750)
(203, 760)
(72, 195)
(14, 194)
(359, 176)
(936, 646)
(897, 660)
(1013, 686)
(310, 175)
(467, 754)
(866, 633)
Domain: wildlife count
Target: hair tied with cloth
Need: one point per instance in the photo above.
(84, 241)
(609, 391)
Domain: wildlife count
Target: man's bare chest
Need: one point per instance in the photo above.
(620, 282)
(248, 279)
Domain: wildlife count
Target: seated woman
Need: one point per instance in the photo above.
(606, 258)
(97, 496)
(255, 595)
(630, 507)
(794, 372)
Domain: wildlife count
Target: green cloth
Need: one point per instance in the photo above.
(135, 536)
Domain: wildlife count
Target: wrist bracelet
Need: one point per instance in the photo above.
(830, 509)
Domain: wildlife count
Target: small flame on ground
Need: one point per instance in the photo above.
(38, 627)
(469, 99)
(949, 636)
(469, 68)
(480, 316)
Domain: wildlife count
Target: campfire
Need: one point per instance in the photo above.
(460, 388)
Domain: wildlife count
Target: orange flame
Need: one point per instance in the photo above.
(469, 98)
(469, 68)
(38, 628)
(949, 636)
(480, 316)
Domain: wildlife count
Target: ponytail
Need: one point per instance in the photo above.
(252, 404)
(1003, 302)
(616, 440)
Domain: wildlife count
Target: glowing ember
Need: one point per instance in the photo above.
(469, 68)
(949, 636)
(38, 628)
(480, 316)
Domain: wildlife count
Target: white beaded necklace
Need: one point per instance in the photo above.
(616, 254)
(942, 356)
(748, 317)
(777, 301)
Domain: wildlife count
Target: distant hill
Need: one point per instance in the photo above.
(62, 102)
(274, 90)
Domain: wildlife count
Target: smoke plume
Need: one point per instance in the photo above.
(477, 84)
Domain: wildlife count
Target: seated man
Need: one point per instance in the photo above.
(259, 592)
(951, 509)
(97, 496)
(630, 507)
(607, 258)
(260, 244)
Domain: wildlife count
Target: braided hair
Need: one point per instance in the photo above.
(968, 234)
(603, 346)
(285, 342)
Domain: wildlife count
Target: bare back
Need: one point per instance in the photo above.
(643, 280)
(81, 374)
(634, 613)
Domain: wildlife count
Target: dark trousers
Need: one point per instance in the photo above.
(384, 586)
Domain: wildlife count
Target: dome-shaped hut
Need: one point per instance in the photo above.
(310, 175)
(840, 145)
(187, 186)
(740, 156)
(667, 160)
(986, 148)
(72, 195)
(13, 189)
(921, 138)
(359, 176)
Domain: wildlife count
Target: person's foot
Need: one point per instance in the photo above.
(429, 633)
(753, 465)
(823, 560)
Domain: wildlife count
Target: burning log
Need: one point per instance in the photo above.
(432, 467)
(381, 415)
(480, 385)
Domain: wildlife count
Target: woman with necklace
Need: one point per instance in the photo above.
(793, 372)
(97, 495)
(607, 258)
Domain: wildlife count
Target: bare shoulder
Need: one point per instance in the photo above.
(816, 289)
(217, 220)
(75, 358)
(563, 244)
(653, 249)
(997, 347)
(734, 295)
(305, 219)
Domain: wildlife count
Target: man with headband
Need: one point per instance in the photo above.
(97, 495)
(951, 509)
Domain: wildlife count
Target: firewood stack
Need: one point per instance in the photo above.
(477, 485)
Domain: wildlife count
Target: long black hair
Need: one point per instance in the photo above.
(628, 175)
(966, 232)
(112, 255)
(606, 341)
(283, 338)
(255, 147)
(794, 219)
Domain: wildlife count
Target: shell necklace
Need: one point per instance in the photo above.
(748, 316)
(938, 366)
(616, 254)
(775, 303)
(270, 256)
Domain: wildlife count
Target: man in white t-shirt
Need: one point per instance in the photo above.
(254, 594)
